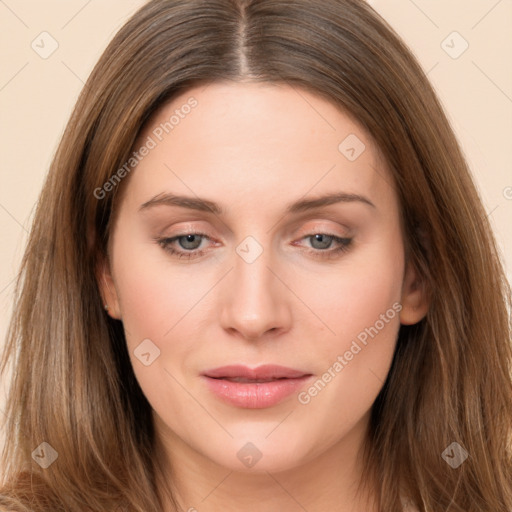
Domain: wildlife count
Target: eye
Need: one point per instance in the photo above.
(187, 245)
(322, 245)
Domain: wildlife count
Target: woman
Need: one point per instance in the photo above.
(259, 278)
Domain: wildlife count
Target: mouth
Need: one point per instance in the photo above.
(248, 381)
(263, 373)
(254, 388)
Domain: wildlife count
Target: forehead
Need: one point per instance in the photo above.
(244, 141)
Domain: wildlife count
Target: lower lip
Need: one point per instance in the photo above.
(255, 395)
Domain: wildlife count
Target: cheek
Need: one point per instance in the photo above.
(359, 306)
(163, 301)
(353, 295)
(154, 292)
(157, 299)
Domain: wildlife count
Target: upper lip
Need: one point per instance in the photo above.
(267, 371)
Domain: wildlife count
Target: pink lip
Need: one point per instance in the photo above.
(281, 383)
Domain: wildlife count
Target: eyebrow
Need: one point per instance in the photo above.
(302, 205)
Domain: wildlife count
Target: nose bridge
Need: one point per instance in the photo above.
(256, 300)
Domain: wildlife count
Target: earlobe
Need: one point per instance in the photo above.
(414, 298)
(108, 290)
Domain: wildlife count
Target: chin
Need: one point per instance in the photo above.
(258, 454)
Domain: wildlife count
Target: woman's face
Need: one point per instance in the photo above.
(260, 227)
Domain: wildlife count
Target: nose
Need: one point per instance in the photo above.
(255, 301)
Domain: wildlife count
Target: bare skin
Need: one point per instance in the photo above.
(254, 149)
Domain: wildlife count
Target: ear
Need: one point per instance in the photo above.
(107, 289)
(414, 297)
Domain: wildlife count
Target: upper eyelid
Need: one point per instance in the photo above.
(313, 230)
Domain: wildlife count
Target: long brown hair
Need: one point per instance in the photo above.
(73, 386)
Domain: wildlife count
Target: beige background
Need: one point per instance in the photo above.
(37, 94)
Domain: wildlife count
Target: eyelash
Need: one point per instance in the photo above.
(344, 245)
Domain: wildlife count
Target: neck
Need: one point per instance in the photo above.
(327, 480)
